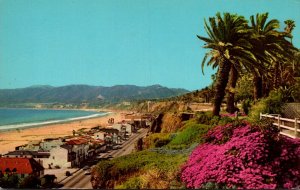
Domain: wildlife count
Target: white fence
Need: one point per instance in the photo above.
(287, 127)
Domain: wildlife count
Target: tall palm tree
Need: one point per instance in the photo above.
(233, 77)
(228, 46)
(267, 41)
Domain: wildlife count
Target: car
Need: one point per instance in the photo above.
(68, 173)
(87, 172)
(109, 156)
(86, 168)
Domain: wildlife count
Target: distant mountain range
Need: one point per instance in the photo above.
(85, 93)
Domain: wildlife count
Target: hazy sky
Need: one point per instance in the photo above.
(108, 42)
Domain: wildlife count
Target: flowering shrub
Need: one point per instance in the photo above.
(244, 156)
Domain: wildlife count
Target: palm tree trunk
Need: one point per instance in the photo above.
(257, 94)
(232, 84)
(221, 84)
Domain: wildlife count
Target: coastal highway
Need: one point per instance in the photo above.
(81, 181)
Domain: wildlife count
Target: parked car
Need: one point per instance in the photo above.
(109, 156)
(86, 168)
(87, 172)
(68, 173)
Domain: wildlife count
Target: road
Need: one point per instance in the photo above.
(81, 181)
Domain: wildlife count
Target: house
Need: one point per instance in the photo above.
(21, 166)
(40, 157)
(80, 147)
(139, 120)
(32, 145)
(124, 129)
(49, 143)
(62, 157)
(72, 153)
(99, 135)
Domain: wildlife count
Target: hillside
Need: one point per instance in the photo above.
(85, 93)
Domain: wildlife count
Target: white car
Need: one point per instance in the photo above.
(87, 172)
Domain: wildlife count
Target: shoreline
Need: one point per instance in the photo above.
(23, 126)
(10, 139)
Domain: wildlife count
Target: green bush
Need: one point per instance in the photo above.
(204, 117)
(224, 120)
(246, 105)
(156, 140)
(161, 142)
(120, 169)
(190, 133)
(271, 105)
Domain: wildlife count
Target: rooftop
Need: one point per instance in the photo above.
(20, 165)
(28, 152)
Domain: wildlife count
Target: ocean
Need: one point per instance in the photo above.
(11, 118)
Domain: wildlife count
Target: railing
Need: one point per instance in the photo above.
(287, 127)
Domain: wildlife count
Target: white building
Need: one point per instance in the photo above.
(99, 135)
(123, 128)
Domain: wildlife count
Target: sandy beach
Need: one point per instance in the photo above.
(10, 139)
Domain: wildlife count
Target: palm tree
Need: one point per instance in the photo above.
(271, 48)
(233, 77)
(290, 25)
(228, 46)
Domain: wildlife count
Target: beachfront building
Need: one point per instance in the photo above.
(81, 148)
(40, 157)
(32, 145)
(124, 129)
(71, 154)
(21, 166)
(50, 143)
(99, 135)
(62, 157)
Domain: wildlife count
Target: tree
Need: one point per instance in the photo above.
(231, 89)
(271, 50)
(30, 181)
(290, 25)
(228, 46)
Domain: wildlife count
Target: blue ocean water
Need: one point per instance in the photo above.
(11, 118)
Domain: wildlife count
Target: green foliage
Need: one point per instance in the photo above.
(204, 117)
(244, 88)
(156, 140)
(131, 183)
(246, 105)
(225, 120)
(190, 133)
(30, 182)
(271, 105)
(296, 92)
(9, 181)
(120, 168)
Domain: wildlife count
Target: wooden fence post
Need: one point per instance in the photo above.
(296, 127)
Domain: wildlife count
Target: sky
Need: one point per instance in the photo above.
(116, 42)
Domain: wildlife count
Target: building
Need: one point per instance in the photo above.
(21, 166)
(32, 145)
(99, 135)
(124, 129)
(40, 157)
(62, 157)
(48, 144)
